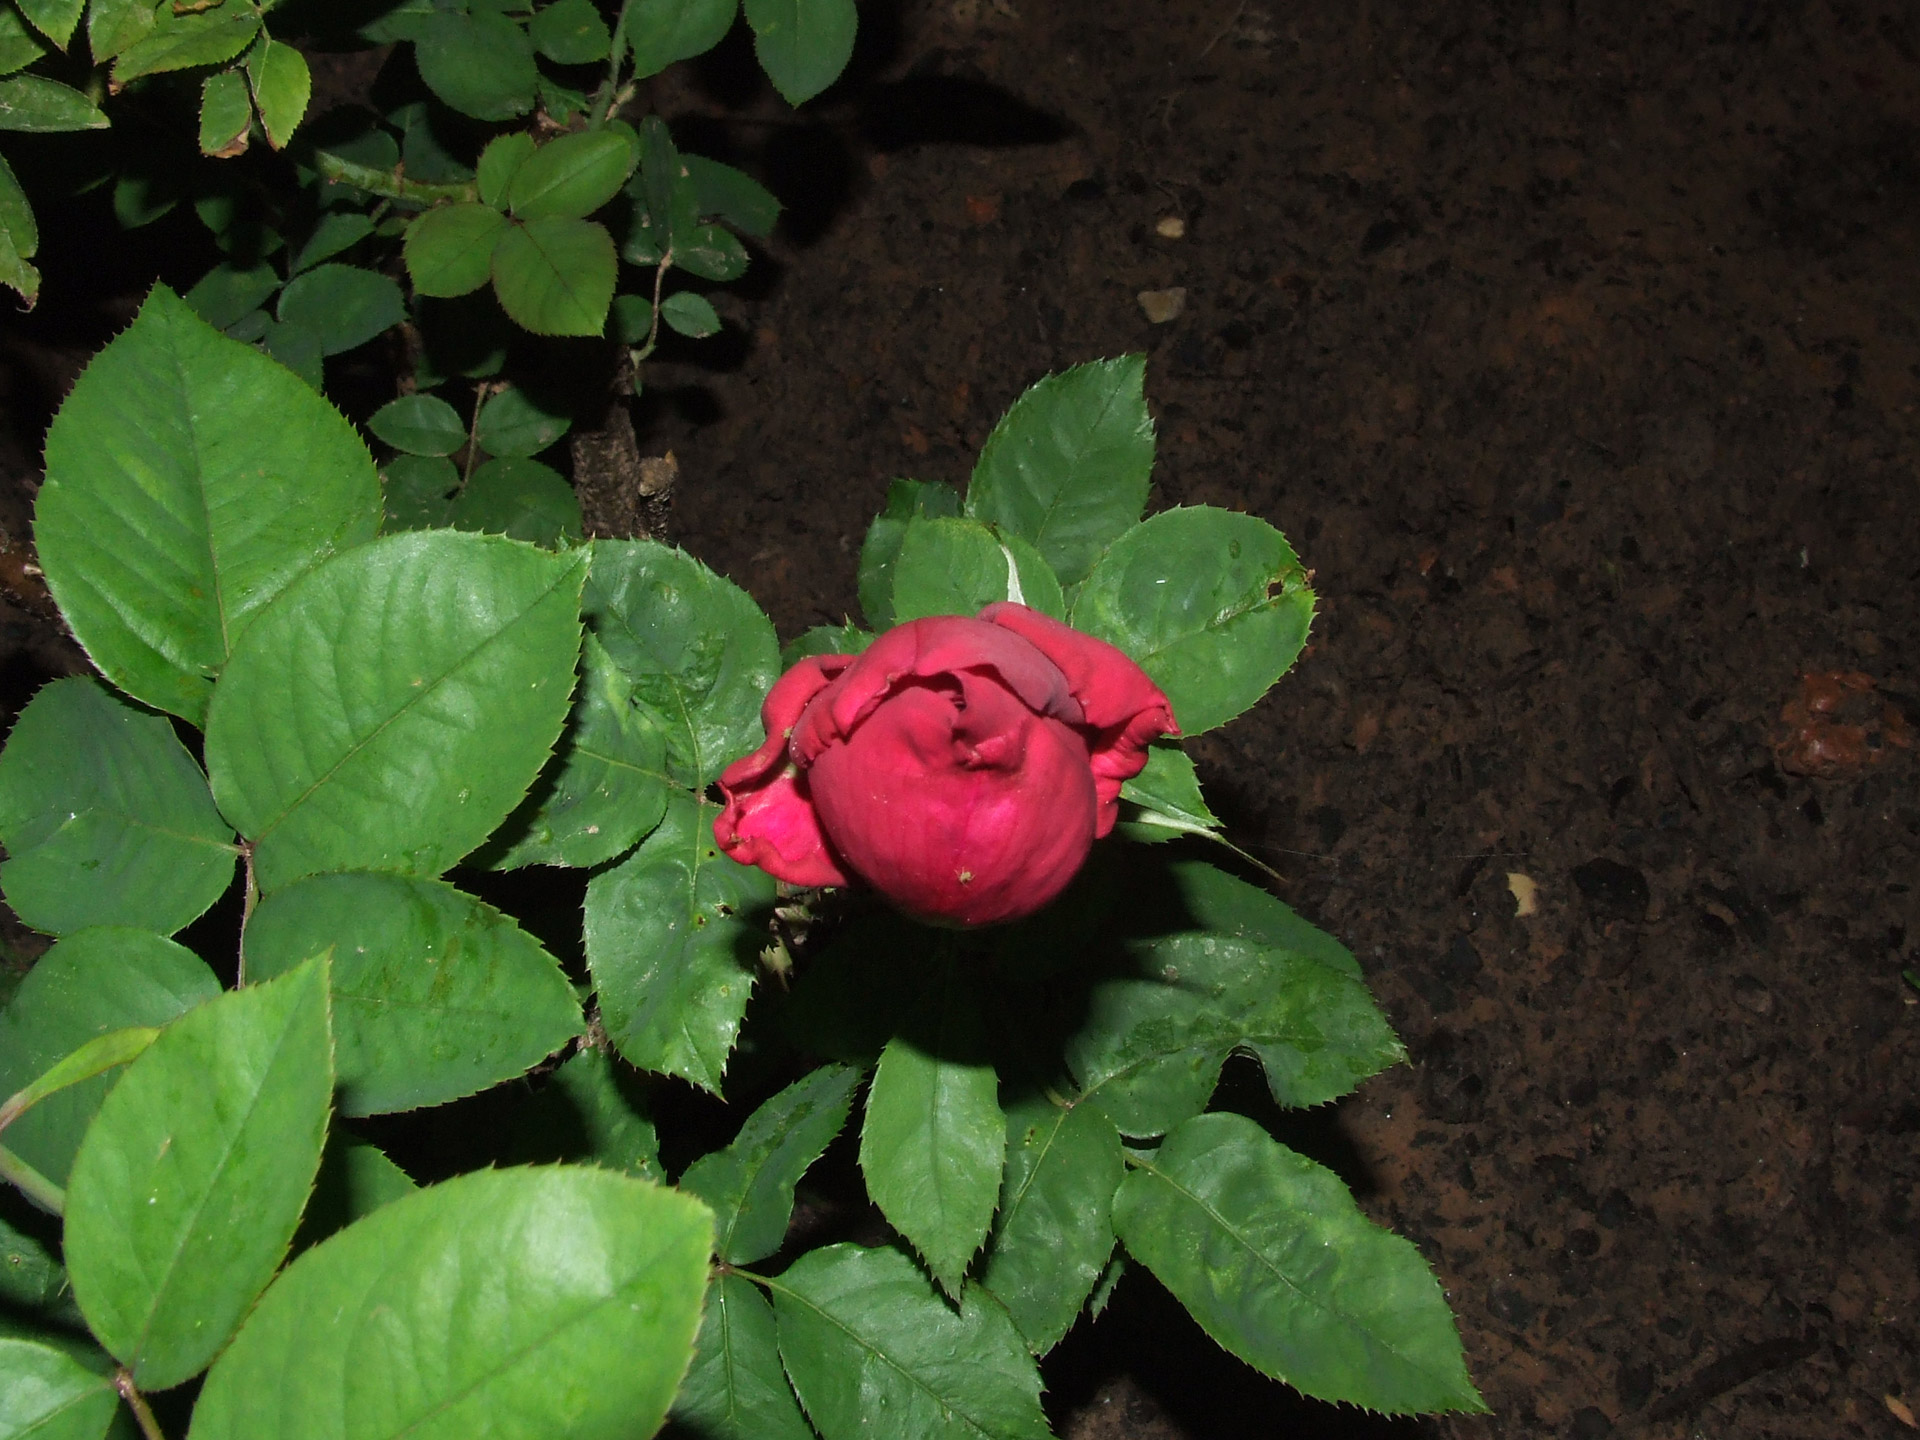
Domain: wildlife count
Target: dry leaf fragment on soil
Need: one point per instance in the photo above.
(1836, 724)
(1526, 893)
(1901, 1411)
(1160, 306)
(1170, 227)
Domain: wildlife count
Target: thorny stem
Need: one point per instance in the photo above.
(607, 101)
(390, 183)
(136, 1402)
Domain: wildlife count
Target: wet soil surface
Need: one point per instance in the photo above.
(1577, 348)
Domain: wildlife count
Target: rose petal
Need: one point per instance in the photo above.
(923, 649)
(769, 818)
(967, 813)
(1124, 709)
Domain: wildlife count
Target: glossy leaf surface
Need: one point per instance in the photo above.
(554, 1303)
(47, 1394)
(1269, 1253)
(170, 516)
(737, 1389)
(394, 708)
(191, 1180)
(105, 817)
(435, 994)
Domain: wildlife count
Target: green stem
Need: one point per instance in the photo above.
(390, 183)
(606, 102)
(31, 1183)
(136, 1402)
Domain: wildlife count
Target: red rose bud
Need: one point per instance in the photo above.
(963, 768)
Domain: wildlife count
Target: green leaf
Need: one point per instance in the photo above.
(1053, 1234)
(532, 1304)
(660, 32)
(1067, 467)
(344, 305)
(906, 501)
(571, 177)
(106, 819)
(394, 706)
(519, 498)
(19, 238)
(665, 188)
(1213, 605)
(282, 86)
(91, 984)
(605, 786)
(191, 1180)
(226, 114)
(872, 1349)
(689, 314)
(182, 41)
(735, 197)
(750, 1183)
(46, 1394)
(934, 1144)
(1211, 899)
(18, 48)
(355, 1180)
(803, 45)
(555, 276)
(449, 251)
(712, 254)
(589, 1111)
(225, 295)
(32, 102)
(948, 567)
(99, 1055)
(1167, 797)
(435, 994)
(1269, 1253)
(416, 488)
(513, 423)
(846, 639)
(571, 32)
(300, 348)
(698, 652)
(170, 515)
(114, 25)
(499, 163)
(337, 232)
(54, 19)
(419, 424)
(631, 319)
(737, 1389)
(1032, 581)
(480, 64)
(672, 935)
(33, 1282)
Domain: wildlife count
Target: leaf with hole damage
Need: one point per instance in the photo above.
(435, 994)
(523, 1304)
(1269, 1253)
(191, 1180)
(393, 707)
(106, 819)
(170, 515)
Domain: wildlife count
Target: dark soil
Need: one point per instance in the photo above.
(1577, 348)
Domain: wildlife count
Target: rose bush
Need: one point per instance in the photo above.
(961, 767)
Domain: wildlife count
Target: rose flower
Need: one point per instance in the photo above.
(962, 768)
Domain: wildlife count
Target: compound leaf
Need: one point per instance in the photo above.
(106, 819)
(551, 1303)
(435, 994)
(1269, 1253)
(190, 1182)
(393, 707)
(171, 515)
